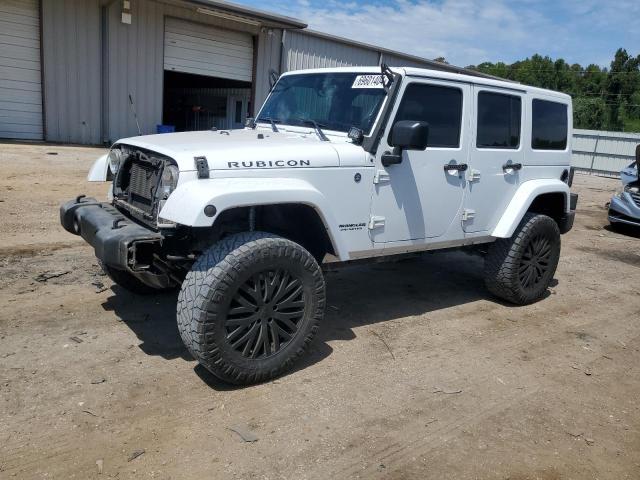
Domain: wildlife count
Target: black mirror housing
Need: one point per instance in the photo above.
(410, 135)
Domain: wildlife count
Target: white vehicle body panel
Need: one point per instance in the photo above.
(342, 204)
(368, 209)
(521, 201)
(489, 193)
(99, 170)
(226, 193)
(419, 199)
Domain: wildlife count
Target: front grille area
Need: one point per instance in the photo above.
(635, 194)
(143, 184)
(137, 184)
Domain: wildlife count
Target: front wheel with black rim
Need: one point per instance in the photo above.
(250, 306)
(519, 269)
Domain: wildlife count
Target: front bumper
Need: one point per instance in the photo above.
(117, 241)
(566, 221)
(623, 209)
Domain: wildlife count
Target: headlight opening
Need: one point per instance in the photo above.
(115, 158)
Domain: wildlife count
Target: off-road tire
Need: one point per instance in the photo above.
(212, 286)
(128, 281)
(508, 258)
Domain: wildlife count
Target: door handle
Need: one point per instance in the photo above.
(511, 166)
(455, 167)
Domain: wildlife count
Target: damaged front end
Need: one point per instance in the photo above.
(128, 234)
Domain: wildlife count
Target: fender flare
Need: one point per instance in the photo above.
(99, 170)
(186, 204)
(522, 200)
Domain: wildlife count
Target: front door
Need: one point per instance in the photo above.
(496, 156)
(422, 196)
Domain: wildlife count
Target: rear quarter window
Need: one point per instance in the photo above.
(549, 125)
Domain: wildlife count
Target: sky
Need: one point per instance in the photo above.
(469, 32)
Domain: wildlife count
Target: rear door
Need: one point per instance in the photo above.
(496, 156)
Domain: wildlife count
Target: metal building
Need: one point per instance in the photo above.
(93, 71)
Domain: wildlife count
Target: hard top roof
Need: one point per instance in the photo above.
(442, 75)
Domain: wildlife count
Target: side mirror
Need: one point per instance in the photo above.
(406, 135)
(410, 135)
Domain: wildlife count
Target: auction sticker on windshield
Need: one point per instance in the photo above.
(368, 81)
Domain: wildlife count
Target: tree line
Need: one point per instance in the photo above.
(603, 98)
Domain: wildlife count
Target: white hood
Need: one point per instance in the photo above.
(249, 148)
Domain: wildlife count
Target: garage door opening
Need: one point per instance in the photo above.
(196, 102)
(207, 78)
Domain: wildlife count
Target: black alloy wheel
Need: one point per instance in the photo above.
(250, 306)
(520, 269)
(265, 313)
(535, 262)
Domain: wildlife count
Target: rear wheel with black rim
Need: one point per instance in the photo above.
(250, 306)
(519, 269)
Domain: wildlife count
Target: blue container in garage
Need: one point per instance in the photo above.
(165, 128)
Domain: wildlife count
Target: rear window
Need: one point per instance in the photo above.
(549, 125)
(498, 120)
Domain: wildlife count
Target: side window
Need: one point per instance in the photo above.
(498, 120)
(440, 107)
(549, 125)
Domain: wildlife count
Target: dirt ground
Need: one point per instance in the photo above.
(417, 373)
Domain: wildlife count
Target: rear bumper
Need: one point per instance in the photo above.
(117, 241)
(566, 221)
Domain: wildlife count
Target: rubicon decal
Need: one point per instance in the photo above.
(270, 164)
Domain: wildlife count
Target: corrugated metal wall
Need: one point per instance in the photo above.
(20, 71)
(304, 50)
(398, 61)
(135, 62)
(268, 58)
(308, 49)
(94, 62)
(72, 70)
(601, 152)
(134, 67)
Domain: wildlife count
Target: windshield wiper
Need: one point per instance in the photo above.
(271, 121)
(316, 127)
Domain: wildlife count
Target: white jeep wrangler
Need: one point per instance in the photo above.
(339, 165)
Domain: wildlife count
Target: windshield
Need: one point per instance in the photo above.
(335, 101)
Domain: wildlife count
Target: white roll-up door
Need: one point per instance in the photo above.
(20, 79)
(204, 50)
